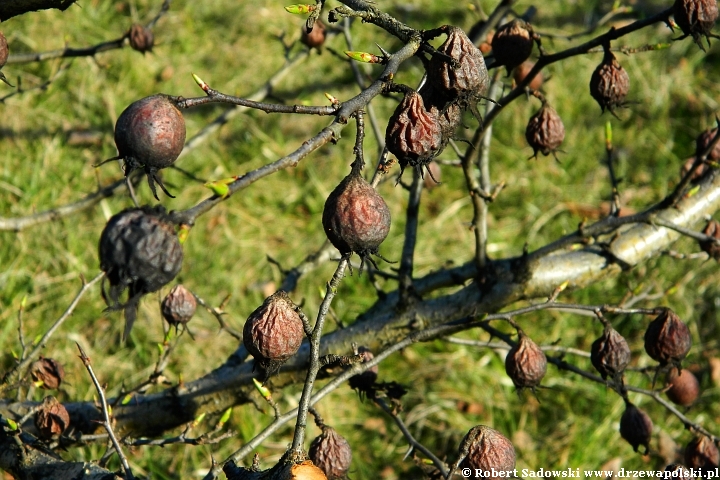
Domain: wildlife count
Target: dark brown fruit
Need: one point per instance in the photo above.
(522, 70)
(414, 134)
(52, 418)
(682, 472)
(487, 449)
(178, 306)
(636, 427)
(703, 142)
(48, 371)
(545, 131)
(525, 364)
(356, 218)
(667, 338)
(610, 353)
(512, 44)
(702, 453)
(316, 37)
(141, 38)
(470, 80)
(712, 229)
(684, 387)
(331, 453)
(4, 52)
(139, 250)
(273, 332)
(609, 84)
(696, 18)
(150, 134)
(363, 382)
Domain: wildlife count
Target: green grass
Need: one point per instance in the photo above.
(234, 47)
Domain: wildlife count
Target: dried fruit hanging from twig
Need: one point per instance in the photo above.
(512, 43)
(178, 306)
(488, 450)
(48, 371)
(331, 453)
(316, 37)
(525, 363)
(696, 18)
(545, 131)
(610, 354)
(712, 229)
(702, 453)
(684, 387)
(636, 427)
(52, 418)
(667, 338)
(141, 38)
(609, 83)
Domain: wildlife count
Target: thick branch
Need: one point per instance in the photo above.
(13, 8)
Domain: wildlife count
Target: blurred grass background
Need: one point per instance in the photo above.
(235, 46)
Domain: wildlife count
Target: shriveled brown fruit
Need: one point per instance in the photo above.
(696, 18)
(303, 471)
(48, 371)
(522, 70)
(363, 382)
(413, 133)
(4, 52)
(178, 306)
(512, 44)
(684, 387)
(703, 142)
(610, 354)
(141, 38)
(636, 427)
(525, 363)
(331, 453)
(139, 250)
(273, 332)
(702, 453)
(667, 338)
(316, 37)
(545, 131)
(609, 83)
(150, 134)
(487, 449)
(712, 229)
(52, 418)
(356, 219)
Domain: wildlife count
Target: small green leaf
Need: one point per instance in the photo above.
(225, 417)
(183, 233)
(12, 424)
(608, 133)
(198, 420)
(23, 302)
(161, 348)
(126, 399)
(264, 391)
(693, 191)
(363, 57)
(300, 8)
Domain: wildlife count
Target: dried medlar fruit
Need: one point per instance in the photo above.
(712, 229)
(316, 37)
(702, 453)
(139, 250)
(273, 332)
(522, 70)
(363, 382)
(696, 18)
(609, 83)
(512, 44)
(4, 52)
(331, 453)
(150, 134)
(469, 81)
(525, 363)
(356, 219)
(684, 387)
(610, 353)
(48, 371)
(487, 449)
(51, 418)
(636, 427)
(545, 131)
(667, 338)
(141, 38)
(414, 134)
(703, 142)
(178, 306)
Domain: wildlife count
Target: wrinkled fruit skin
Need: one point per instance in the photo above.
(141, 38)
(609, 84)
(712, 229)
(139, 250)
(4, 52)
(470, 80)
(610, 354)
(331, 453)
(636, 427)
(702, 453)
(545, 131)
(522, 70)
(414, 134)
(52, 418)
(667, 339)
(178, 307)
(525, 364)
(684, 387)
(356, 219)
(696, 18)
(512, 44)
(703, 142)
(273, 332)
(487, 449)
(363, 382)
(49, 371)
(316, 37)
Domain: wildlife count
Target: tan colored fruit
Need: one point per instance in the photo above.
(545, 131)
(684, 387)
(52, 418)
(178, 306)
(331, 453)
(48, 371)
(667, 338)
(522, 70)
(316, 37)
(487, 449)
